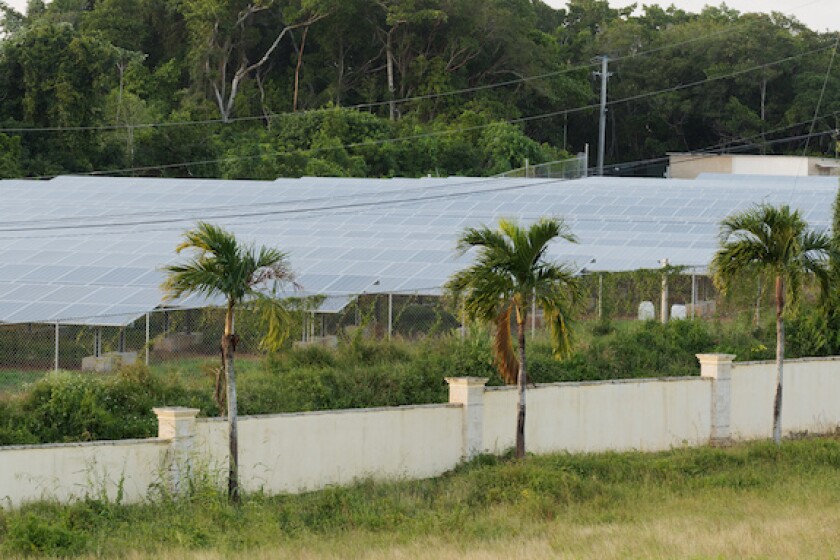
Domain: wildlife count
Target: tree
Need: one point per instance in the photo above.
(224, 43)
(777, 241)
(222, 267)
(512, 273)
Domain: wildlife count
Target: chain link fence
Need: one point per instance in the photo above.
(30, 351)
(572, 168)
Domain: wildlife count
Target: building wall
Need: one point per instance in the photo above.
(689, 166)
(307, 451)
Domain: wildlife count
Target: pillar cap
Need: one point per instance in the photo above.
(713, 359)
(469, 381)
(176, 412)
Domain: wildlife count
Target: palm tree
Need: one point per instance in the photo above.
(511, 273)
(223, 267)
(775, 241)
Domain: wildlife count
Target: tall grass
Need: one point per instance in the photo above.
(753, 500)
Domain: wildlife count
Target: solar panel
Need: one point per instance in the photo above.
(400, 234)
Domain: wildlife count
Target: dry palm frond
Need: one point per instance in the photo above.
(505, 357)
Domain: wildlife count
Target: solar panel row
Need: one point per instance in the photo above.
(89, 250)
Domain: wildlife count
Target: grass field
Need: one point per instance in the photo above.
(749, 501)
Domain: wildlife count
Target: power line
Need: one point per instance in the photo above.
(356, 206)
(451, 131)
(291, 211)
(373, 104)
(78, 220)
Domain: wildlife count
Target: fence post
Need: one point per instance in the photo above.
(56, 345)
(177, 424)
(718, 368)
(147, 338)
(469, 392)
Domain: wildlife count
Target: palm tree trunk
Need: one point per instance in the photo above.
(228, 348)
(520, 411)
(780, 358)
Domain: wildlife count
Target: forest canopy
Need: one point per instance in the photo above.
(267, 88)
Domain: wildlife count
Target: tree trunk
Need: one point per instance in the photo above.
(389, 64)
(780, 358)
(297, 68)
(521, 382)
(228, 349)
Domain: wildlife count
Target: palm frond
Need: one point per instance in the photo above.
(505, 357)
(510, 268)
(773, 239)
(221, 266)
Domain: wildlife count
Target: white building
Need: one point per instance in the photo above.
(689, 165)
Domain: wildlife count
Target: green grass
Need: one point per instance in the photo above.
(750, 501)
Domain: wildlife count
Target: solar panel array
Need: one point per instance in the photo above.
(89, 250)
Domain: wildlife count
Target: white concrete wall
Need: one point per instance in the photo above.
(298, 452)
(645, 414)
(75, 470)
(810, 397)
(306, 451)
(753, 387)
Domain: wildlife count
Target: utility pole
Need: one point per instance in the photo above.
(602, 126)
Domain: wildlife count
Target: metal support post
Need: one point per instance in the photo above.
(147, 338)
(600, 296)
(97, 342)
(390, 315)
(693, 290)
(664, 303)
(56, 345)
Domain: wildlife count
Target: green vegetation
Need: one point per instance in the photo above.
(223, 267)
(749, 501)
(776, 243)
(361, 373)
(245, 89)
(510, 276)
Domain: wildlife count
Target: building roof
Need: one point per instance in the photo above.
(89, 250)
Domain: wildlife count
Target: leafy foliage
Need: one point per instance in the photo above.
(123, 64)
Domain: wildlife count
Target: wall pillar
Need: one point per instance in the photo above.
(177, 424)
(469, 392)
(718, 368)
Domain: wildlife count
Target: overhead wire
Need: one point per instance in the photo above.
(290, 211)
(462, 91)
(328, 210)
(449, 131)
